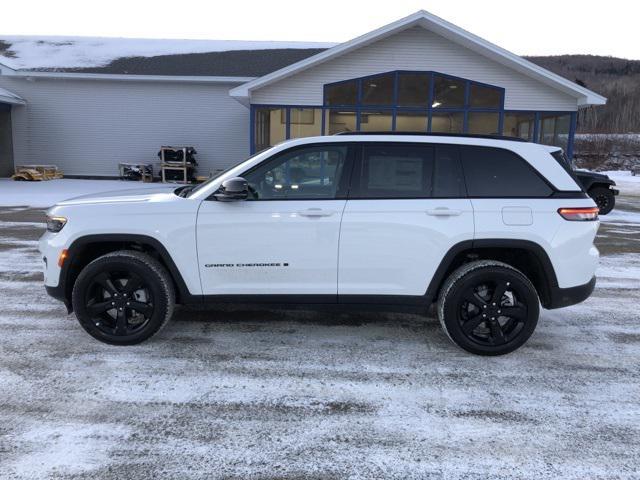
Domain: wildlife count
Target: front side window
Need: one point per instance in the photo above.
(499, 173)
(308, 173)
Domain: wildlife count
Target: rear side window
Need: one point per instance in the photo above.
(495, 172)
(408, 171)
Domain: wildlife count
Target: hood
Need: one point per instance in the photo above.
(590, 174)
(123, 196)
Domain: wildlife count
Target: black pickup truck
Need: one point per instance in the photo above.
(597, 185)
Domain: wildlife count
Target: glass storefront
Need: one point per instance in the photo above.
(519, 125)
(409, 101)
(270, 127)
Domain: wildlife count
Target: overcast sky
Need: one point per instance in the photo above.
(531, 27)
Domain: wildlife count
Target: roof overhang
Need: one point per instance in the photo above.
(11, 98)
(32, 75)
(583, 96)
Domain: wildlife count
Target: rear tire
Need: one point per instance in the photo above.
(123, 297)
(488, 308)
(604, 198)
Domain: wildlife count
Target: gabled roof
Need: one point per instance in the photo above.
(9, 97)
(441, 27)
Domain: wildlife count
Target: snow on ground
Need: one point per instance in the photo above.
(244, 392)
(29, 52)
(46, 194)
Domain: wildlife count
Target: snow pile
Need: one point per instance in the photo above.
(26, 52)
(46, 194)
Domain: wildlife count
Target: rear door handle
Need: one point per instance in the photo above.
(444, 212)
(315, 212)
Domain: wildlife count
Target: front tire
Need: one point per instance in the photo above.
(488, 308)
(123, 297)
(604, 198)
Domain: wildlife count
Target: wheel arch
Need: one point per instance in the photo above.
(527, 256)
(85, 249)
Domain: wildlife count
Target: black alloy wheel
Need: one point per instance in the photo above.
(604, 198)
(488, 308)
(123, 297)
(492, 313)
(119, 303)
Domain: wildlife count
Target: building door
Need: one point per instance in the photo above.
(6, 145)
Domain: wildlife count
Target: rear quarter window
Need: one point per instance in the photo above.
(496, 172)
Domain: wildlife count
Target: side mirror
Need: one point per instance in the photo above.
(232, 189)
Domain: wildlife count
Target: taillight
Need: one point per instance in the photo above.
(580, 214)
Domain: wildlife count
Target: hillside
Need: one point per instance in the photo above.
(617, 79)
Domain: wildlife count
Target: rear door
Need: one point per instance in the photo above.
(407, 207)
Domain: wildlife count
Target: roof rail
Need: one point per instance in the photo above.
(434, 134)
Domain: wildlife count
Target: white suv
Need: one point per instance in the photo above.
(486, 227)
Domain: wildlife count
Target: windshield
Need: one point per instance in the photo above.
(218, 175)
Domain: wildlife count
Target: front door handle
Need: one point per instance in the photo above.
(444, 212)
(315, 212)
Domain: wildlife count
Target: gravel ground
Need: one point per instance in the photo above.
(246, 393)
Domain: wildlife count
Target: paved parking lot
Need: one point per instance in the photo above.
(244, 393)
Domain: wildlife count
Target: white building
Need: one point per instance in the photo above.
(227, 100)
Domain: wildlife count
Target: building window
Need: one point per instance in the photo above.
(448, 92)
(378, 90)
(554, 129)
(413, 89)
(342, 93)
(483, 123)
(447, 122)
(519, 125)
(305, 122)
(481, 96)
(376, 121)
(341, 121)
(411, 121)
(409, 101)
(270, 128)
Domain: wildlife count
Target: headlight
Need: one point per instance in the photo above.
(55, 224)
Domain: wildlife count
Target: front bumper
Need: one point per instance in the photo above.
(563, 297)
(59, 294)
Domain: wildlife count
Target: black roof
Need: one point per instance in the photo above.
(232, 63)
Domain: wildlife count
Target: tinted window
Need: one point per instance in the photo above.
(494, 172)
(409, 171)
(448, 180)
(304, 173)
(378, 90)
(344, 93)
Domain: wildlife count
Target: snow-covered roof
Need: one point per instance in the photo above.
(61, 53)
(449, 31)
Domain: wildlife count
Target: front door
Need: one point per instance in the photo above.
(283, 240)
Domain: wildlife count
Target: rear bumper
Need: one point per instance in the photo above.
(563, 297)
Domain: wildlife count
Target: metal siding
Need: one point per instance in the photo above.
(87, 127)
(415, 49)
